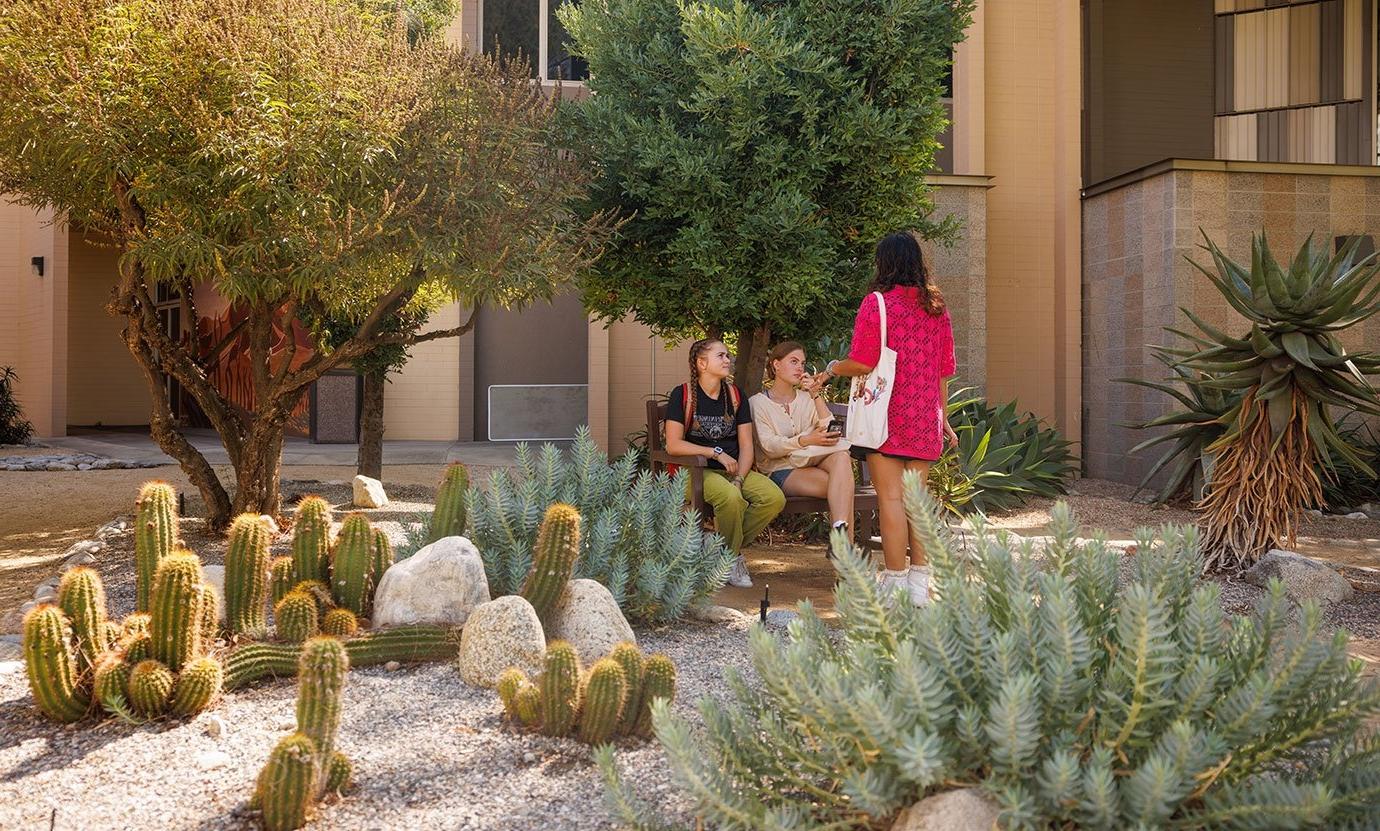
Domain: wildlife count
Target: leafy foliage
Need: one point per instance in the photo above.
(1351, 486)
(14, 428)
(1071, 700)
(1005, 458)
(761, 149)
(1288, 370)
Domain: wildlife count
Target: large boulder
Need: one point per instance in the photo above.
(440, 584)
(500, 634)
(369, 493)
(214, 576)
(961, 810)
(1303, 578)
(589, 617)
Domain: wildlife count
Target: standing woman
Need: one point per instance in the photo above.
(796, 448)
(919, 331)
(708, 417)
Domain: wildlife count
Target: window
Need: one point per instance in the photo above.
(514, 27)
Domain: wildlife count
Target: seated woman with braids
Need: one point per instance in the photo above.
(708, 417)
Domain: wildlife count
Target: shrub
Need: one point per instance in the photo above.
(1349, 486)
(1071, 701)
(14, 428)
(1006, 457)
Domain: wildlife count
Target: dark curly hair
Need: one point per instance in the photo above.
(900, 262)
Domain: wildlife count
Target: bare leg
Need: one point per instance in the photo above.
(917, 551)
(891, 509)
(831, 479)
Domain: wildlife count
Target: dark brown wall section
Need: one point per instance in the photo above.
(1149, 91)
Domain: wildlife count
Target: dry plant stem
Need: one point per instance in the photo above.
(1259, 491)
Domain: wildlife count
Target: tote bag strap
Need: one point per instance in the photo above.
(881, 309)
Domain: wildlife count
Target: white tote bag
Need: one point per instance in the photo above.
(871, 394)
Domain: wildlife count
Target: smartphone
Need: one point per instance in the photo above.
(836, 425)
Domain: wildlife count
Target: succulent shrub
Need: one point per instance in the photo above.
(1350, 486)
(1006, 457)
(1072, 701)
(635, 536)
(1289, 369)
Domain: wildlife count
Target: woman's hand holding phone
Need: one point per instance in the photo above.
(821, 437)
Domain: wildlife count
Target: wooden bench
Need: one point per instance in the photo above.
(864, 499)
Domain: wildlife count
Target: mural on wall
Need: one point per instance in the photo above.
(221, 330)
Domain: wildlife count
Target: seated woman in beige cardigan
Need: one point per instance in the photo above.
(796, 448)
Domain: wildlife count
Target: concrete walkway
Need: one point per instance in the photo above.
(137, 446)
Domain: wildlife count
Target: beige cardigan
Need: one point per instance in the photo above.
(778, 434)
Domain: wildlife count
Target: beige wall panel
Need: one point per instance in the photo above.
(1303, 54)
(33, 315)
(1352, 34)
(1277, 57)
(423, 400)
(104, 384)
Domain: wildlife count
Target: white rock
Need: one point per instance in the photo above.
(392, 666)
(1358, 515)
(716, 614)
(369, 493)
(44, 593)
(529, 757)
(81, 558)
(961, 810)
(214, 576)
(1314, 512)
(500, 634)
(1303, 578)
(440, 584)
(272, 524)
(212, 759)
(213, 725)
(590, 619)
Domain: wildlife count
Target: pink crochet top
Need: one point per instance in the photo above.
(924, 347)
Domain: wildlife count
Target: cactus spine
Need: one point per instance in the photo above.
(604, 696)
(352, 582)
(138, 647)
(155, 534)
(134, 624)
(175, 621)
(339, 774)
(282, 576)
(111, 679)
(51, 664)
(553, 561)
(658, 681)
(311, 539)
(560, 689)
(287, 784)
(449, 518)
(339, 623)
(150, 687)
(383, 554)
(296, 617)
(629, 657)
(82, 599)
(250, 662)
(197, 684)
(246, 576)
(320, 687)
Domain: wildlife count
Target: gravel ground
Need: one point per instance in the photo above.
(429, 751)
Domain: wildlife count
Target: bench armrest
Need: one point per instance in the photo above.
(684, 461)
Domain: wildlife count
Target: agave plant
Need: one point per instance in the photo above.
(1006, 457)
(1350, 486)
(1195, 427)
(1288, 369)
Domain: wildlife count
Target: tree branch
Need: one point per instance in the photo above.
(437, 335)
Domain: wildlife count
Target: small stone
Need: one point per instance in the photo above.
(81, 558)
(44, 593)
(11, 651)
(392, 666)
(1314, 512)
(28, 606)
(368, 493)
(1358, 515)
(214, 576)
(287, 724)
(214, 726)
(212, 759)
(716, 614)
(529, 757)
(84, 466)
(60, 466)
(966, 809)
(1303, 577)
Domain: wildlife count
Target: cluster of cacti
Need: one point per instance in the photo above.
(154, 662)
(305, 765)
(613, 698)
(250, 662)
(553, 560)
(155, 535)
(450, 516)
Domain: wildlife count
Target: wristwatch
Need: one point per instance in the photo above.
(718, 451)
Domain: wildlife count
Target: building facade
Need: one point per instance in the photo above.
(1089, 142)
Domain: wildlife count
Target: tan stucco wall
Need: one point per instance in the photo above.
(33, 315)
(639, 365)
(1032, 94)
(104, 384)
(1136, 240)
(423, 401)
(960, 271)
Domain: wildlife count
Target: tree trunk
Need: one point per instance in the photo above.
(257, 469)
(370, 459)
(753, 345)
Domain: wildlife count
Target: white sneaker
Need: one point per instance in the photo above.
(918, 582)
(739, 575)
(890, 582)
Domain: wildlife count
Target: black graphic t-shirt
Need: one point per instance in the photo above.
(715, 424)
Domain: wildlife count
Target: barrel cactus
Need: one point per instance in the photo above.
(553, 560)
(282, 576)
(527, 705)
(155, 535)
(560, 689)
(339, 774)
(210, 615)
(82, 599)
(321, 675)
(51, 664)
(320, 592)
(246, 576)
(339, 623)
(352, 565)
(658, 681)
(450, 516)
(286, 787)
(197, 686)
(110, 680)
(629, 657)
(602, 703)
(383, 554)
(311, 539)
(175, 620)
(150, 687)
(296, 617)
(510, 681)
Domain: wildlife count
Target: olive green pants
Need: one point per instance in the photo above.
(741, 514)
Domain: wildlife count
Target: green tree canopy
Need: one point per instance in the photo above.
(301, 156)
(762, 148)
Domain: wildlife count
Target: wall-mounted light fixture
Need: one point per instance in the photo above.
(37, 263)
